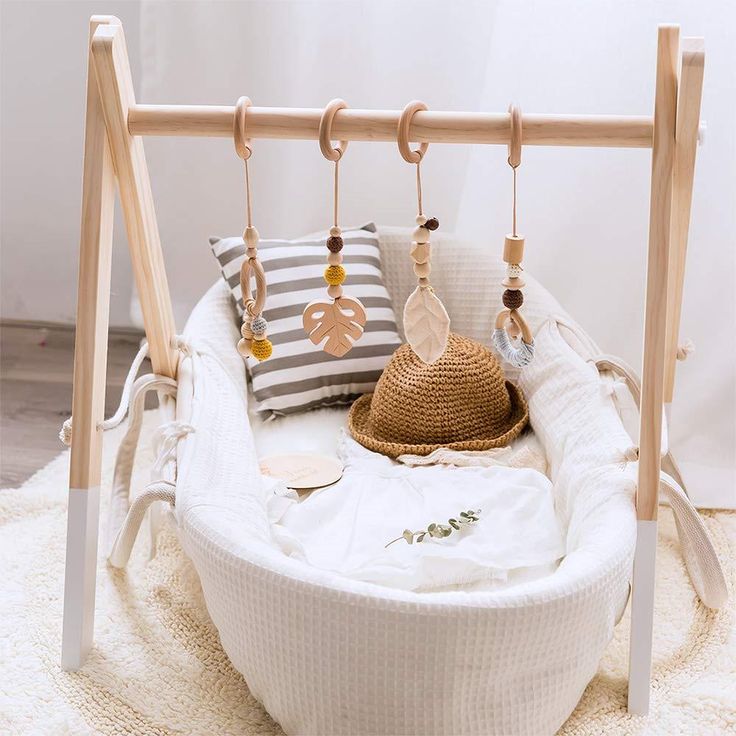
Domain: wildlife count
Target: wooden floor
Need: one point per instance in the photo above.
(36, 393)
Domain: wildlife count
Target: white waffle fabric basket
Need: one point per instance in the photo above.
(330, 655)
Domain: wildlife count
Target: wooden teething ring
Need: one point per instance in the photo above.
(325, 130)
(514, 316)
(250, 305)
(402, 136)
(242, 144)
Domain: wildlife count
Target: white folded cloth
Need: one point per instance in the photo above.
(345, 527)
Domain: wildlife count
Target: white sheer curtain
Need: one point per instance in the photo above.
(584, 211)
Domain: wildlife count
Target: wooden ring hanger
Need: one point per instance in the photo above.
(325, 130)
(252, 306)
(242, 144)
(515, 136)
(402, 136)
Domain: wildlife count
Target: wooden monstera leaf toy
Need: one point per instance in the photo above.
(340, 321)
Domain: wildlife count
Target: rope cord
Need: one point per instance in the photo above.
(65, 434)
(513, 227)
(248, 208)
(419, 188)
(335, 193)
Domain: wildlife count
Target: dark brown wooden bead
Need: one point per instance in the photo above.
(334, 243)
(512, 298)
(432, 224)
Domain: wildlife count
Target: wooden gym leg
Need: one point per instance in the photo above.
(90, 359)
(688, 121)
(115, 85)
(652, 393)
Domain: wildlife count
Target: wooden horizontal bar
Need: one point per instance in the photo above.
(616, 131)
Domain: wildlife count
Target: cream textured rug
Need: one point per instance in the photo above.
(157, 666)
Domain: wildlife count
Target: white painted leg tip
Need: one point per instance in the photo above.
(638, 708)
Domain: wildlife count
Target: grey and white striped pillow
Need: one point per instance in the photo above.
(299, 375)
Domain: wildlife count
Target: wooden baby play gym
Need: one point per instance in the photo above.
(114, 159)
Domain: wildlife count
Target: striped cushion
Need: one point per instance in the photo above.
(299, 375)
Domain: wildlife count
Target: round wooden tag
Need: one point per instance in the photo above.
(302, 472)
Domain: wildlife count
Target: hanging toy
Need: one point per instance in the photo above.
(342, 319)
(426, 323)
(510, 325)
(254, 328)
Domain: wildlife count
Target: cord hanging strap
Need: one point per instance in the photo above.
(248, 208)
(335, 194)
(402, 139)
(243, 148)
(330, 153)
(419, 188)
(514, 157)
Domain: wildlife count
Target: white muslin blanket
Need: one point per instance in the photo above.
(345, 527)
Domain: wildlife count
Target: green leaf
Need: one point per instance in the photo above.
(464, 514)
(408, 535)
(454, 523)
(421, 536)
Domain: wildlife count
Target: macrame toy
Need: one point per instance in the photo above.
(509, 322)
(426, 323)
(254, 328)
(341, 320)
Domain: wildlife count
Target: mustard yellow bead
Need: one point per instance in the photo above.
(261, 349)
(334, 275)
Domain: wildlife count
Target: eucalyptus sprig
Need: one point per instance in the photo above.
(439, 531)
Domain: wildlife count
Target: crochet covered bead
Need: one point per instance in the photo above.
(334, 243)
(334, 275)
(259, 326)
(432, 224)
(513, 270)
(512, 298)
(261, 349)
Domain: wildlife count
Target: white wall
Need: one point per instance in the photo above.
(44, 63)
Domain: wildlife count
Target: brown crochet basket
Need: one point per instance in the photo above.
(460, 401)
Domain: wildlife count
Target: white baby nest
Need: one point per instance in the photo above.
(330, 655)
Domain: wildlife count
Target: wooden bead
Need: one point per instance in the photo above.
(334, 291)
(432, 224)
(420, 235)
(335, 230)
(513, 249)
(423, 282)
(244, 347)
(246, 331)
(334, 243)
(421, 219)
(334, 259)
(334, 275)
(419, 252)
(251, 252)
(250, 236)
(512, 299)
(514, 283)
(422, 270)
